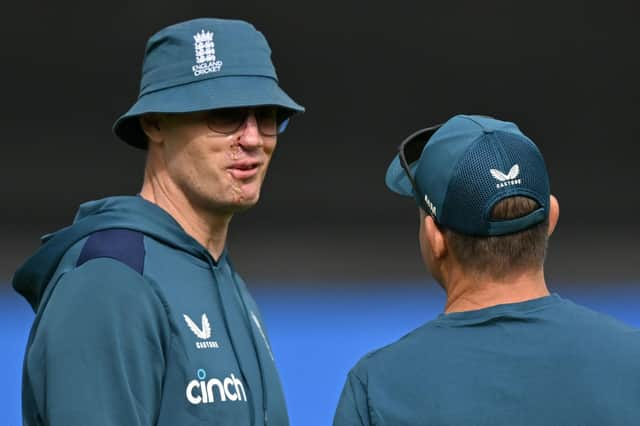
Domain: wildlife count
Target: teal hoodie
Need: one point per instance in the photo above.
(136, 324)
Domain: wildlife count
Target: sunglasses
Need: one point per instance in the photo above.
(409, 152)
(271, 120)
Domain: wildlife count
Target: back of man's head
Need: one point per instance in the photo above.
(485, 187)
(498, 256)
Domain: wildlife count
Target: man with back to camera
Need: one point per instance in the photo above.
(505, 351)
(140, 317)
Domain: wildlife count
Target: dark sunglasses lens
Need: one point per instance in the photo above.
(270, 119)
(226, 120)
(267, 118)
(413, 149)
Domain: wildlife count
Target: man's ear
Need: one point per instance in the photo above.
(435, 238)
(150, 124)
(554, 213)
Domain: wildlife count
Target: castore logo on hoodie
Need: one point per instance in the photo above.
(203, 332)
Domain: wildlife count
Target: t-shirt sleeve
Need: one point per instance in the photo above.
(98, 354)
(353, 408)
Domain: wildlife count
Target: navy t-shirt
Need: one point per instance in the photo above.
(546, 361)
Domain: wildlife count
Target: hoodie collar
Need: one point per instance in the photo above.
(122, 212)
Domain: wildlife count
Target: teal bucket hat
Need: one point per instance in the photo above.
(200, 65)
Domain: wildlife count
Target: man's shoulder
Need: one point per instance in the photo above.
(400, 351)
(105, 265)
(103, 294)
(579, 315)
(580, 320)
(122, 245)
(566, 323)
(101, 279)
(135, 249)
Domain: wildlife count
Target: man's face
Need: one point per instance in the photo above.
(217, 172)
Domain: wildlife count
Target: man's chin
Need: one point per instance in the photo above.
(230, 206)
(245, 202)
(244, 205)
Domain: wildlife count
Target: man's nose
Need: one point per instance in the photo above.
(250, 136)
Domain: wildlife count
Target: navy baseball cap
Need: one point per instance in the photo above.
(204, 64)
(462, 168)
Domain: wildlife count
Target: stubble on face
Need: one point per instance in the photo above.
(238, 194)
(245, 192)
(203, 163)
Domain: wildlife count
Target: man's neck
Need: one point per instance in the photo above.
(469, 293)
(208, 228)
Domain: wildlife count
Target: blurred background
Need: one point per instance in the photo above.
(329, 253)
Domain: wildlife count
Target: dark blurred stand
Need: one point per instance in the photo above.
(380, 255)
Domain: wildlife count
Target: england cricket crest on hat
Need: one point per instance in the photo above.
(206, 61)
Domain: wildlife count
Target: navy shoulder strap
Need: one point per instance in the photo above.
(123, 245)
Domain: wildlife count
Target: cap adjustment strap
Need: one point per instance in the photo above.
(502, 227)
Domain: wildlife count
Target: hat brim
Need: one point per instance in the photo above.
(396, 178)
(213, 93)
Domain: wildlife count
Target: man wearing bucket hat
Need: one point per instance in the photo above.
(505, 351)
(140, 316)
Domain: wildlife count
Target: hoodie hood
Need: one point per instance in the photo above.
(123, 212)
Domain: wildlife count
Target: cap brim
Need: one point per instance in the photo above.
(222, 92)
(396, 178)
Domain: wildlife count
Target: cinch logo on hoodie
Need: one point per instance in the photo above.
(209, 391)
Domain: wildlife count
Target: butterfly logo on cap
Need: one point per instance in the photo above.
(513, 173)
(507, 179)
